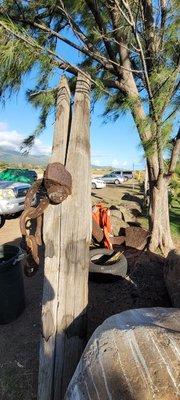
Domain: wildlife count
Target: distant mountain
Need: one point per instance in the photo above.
(15, 157)
(100, 166)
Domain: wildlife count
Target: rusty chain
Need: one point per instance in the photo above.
(54, 188)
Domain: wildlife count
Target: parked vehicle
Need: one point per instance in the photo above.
(113, 178)
(124, 174)
(97, 183)
(18, 175)
(12, 197)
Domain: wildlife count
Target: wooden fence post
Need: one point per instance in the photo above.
(51, 236)
(67, 233)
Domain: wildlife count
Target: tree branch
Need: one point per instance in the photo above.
(171, 114)
(105, 62)
(102, 29)
(133, 26)
(150, 33)
(62, 64)
(163, 13)
(148, 86)
(97, 57)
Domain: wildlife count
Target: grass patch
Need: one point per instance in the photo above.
(174, 214)
(175, 220)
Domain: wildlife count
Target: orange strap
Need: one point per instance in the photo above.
(101, 215)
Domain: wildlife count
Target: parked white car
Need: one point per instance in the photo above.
(97, 183)
(12, 197)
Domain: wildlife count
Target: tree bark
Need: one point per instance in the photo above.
(159, 217)
(159, 224)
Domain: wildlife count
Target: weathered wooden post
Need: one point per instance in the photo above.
(67, 230)
(51, 237)
(74, 246)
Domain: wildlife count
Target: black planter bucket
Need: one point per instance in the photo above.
(12, 296)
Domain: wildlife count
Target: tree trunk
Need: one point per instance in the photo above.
(159, 223)
(159, 217)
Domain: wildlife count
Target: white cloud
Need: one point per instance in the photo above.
(96, 162)
(11, 140)
(124, 163)
(103, 159)
(40, 148)
(115, 163)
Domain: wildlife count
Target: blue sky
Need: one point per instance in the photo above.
(114, 143)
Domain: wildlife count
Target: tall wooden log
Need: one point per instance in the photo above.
(74, 246)
(67, 232)
(51, 236)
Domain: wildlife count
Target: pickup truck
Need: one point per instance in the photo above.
(12, 197)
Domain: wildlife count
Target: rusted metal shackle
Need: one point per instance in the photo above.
(58, 182)
(54, 188)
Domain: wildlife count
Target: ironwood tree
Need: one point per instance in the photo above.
(130, 49)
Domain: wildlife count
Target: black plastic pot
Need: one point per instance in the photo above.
(12, 296)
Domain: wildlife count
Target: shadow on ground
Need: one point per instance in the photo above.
(19, 341)
(143, 287)
(132, 198)
(19, 345)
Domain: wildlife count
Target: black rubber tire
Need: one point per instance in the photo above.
(116, 182)
(14, 216)
(2, 220)
(93, 185)
(119, 268)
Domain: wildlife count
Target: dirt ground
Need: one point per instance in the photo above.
(19, 341)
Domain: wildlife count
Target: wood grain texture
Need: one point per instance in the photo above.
(67, 234)
(74, 246)
(51, 237)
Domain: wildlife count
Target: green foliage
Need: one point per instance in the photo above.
(116, 106)
(174, 214)
(17, 59)
(174, 193)
(45, 100)
(31, 34)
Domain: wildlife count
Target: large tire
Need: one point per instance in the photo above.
(116, 182)
(93, 185)
(119, 268)
(2, 220)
